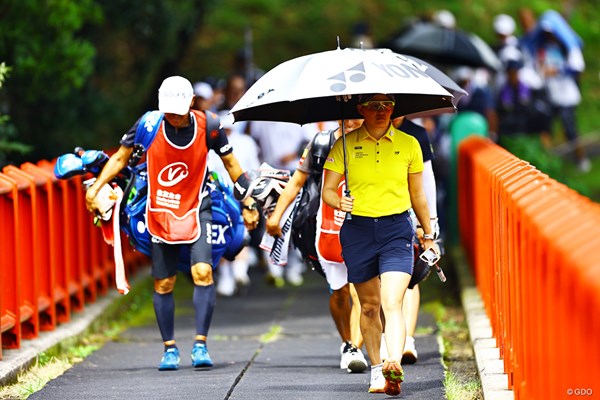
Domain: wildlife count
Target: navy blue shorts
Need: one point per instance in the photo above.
(372, 246)
(167, 258)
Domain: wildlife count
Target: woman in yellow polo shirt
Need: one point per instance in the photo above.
(385, 178)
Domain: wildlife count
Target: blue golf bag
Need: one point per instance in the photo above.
(228, 231)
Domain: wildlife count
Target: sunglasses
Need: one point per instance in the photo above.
(377, 105)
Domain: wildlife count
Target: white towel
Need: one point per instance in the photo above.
(278, 247)
(120, 276)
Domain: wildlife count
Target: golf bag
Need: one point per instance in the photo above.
(228, 232)
(268, 183)
(304, 225)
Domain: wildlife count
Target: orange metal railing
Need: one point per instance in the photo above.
(533, 247)
(53, 261)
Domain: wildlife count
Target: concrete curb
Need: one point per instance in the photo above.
(490, 366)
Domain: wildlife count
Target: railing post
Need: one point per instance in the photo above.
(10, 295)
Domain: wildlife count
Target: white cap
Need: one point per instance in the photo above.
(175, 95)
(504, 24)
(203, 89)
(462, 74)
(445, 18)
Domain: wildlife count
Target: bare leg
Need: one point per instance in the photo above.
(370, 322)
(410, 309)
(339, 306)
(355, 335)
(393, 288)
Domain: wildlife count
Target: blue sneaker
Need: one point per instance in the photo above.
(170, 360)
(200, 356)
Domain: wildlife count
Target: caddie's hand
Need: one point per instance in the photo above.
(250, 214)
(346, 203)
(272, 226)
(90, 200)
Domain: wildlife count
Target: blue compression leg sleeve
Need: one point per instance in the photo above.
(164, 309)
(204, 304)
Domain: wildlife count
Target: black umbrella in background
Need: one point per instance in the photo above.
(440, 45)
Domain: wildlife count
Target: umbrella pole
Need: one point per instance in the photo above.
(347, 190)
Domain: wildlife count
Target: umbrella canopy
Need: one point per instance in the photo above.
(438, 44)
(323, 87)
(440, 77)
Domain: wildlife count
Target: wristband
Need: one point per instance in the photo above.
(428, 236)
(250, 207)
(242, 184)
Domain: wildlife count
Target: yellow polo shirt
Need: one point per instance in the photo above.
(377, 170)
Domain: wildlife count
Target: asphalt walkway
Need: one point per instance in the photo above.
(270, 344)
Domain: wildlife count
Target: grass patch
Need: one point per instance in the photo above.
(51, 364)
(459, 389)
(442, 300)
(35, 378)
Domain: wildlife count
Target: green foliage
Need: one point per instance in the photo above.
(8, 133)
(51, 61)
(529, 148)
(48, 57)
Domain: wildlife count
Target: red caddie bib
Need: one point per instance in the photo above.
(175, 181)
(329, 223)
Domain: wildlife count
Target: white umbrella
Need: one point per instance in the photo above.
(325, 86)
(309, 88)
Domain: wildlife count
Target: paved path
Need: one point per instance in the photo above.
(299, 362)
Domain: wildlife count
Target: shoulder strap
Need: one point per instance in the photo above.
(213, 122)
(145, 134)
(321, 144)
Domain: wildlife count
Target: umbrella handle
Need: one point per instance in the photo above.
(348, 215)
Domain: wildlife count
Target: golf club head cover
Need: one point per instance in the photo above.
(68, 165)
(421, 270)
(94, 160)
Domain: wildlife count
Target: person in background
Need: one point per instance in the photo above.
(203, 96)
(559, 60)
(507, 44)
(514, 99)
(178, 209)
(384, 175)
(234, 89)
(233, 275)
(444, 18)
(479, 100)
(281, 145)
(343, 302)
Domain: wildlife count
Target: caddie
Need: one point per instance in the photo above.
(178, 210)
